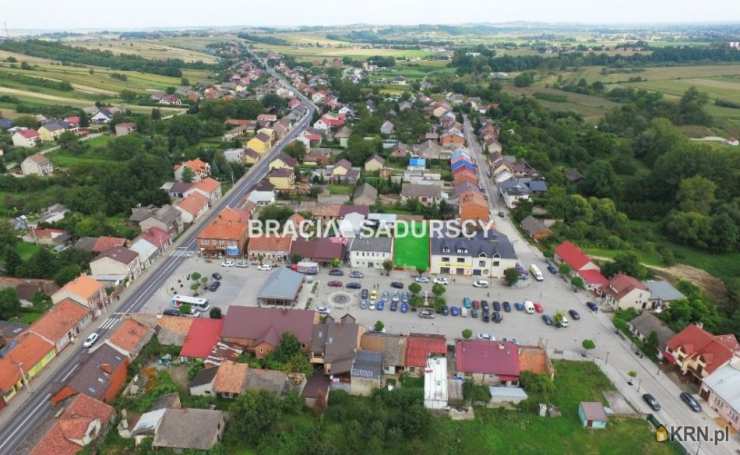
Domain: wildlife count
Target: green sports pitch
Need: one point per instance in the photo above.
(411, 248)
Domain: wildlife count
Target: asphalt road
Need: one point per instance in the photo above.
(37, 408)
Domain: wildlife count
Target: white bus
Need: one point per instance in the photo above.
(536, 273)
(196, 303)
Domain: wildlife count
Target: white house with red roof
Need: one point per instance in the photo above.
(570, 254)
(200, 169)
(208, 187)
(488, 362)
(26, 138)
(699, 353)
(625, 291)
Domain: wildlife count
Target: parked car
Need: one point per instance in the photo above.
(90, 340)
(574, 314)
(548, 320)
(265, 267)
(484, 305)
(397, 285)
(485, 336)
(467, 303)
(363, 304)
(519, 306)
(394, 306)
(528, 307)
(496, 317)
(501, 214)
(538, 307)
(336, 272)
(426, 314)
(454, 311)
(216, 276)
(334, 284)
(690, 401)
(445, 310)
(353, 285)
(241, 264)
(441, 280)
(364, 293)
(592, 306)
(214, 286)
(485, 318)
(563, 323)
(380, 305)
(356, 274)
(371, 307)
(171, 312)
(480, 283)
(496, 306)
(373, 294)
(227, 264)
(323, 310)
(507, 307)
(404, 308)
(551, 268)
(421, 279)
(651, 401)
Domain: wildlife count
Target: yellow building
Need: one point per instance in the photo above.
(50, 131)
(24, 361)
(283, 162)
(257, 145)
(282, 179)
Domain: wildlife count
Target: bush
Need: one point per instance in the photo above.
(467, 333)
(588, 344)
(215, 313)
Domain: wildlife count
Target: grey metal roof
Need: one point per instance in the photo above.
(189, 429)
(647, 323)
(663, 290)
(368, 365)
(282, 284)
(725, 382)
(514, 187)
(490, 244)
(204, 376)
(373, 244)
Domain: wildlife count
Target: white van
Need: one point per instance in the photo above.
(536, 273)
(529, 307)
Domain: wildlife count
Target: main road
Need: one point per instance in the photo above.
(615, 355)
(33, 406)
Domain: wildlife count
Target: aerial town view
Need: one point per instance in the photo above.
(413, 227)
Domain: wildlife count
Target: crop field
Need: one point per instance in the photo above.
(152, 49)
(360, 52)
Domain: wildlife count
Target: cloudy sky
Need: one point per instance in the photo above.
(74, 14)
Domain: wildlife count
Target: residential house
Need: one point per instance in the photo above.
(428, 195)
(282, 287)
(365, 194)
(282, 179)
(37, 164)
(47, 236)
(259, 330)
(208, 187)
(102, 116)
(662, 294)
(251, 156)
(166, 218)
(625, 292)
(436, 383)
(261, 198)
(484, 254)
(146, 251)
(26, 138)
(721, 389)
(473, 207)
(513, 191)
(226, 235)
(199, 168)
(374, 164)
(419, 347)
(570, 254)
(592, 414)
(22, 362)
(366, 374)
(316, 391)
(53, 213)
(81, 422)
(452, 139)
(283, 161)
(150, 244)
(696, 351)
(51, 130)
(644, 325)
(86, 291)
(202, 337)
(130, 337)
(392, 347)
(125, 128)
(116, 266)
(202, 382)
(102, 376)
(61, 324)
(387, 128)
(334, 345)
(27, 288)
(231, 379)
(342, 136)
(190, 429)
(192, 207)
(536, 228)
(270, 248)
(322, 250)
(370, 252)
(488, 362)
(260, 144)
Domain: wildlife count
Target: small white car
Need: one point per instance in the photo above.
(227, 264)
(265, 267)
(90, 340)
(441, 280)
(486, 336)
(323, 310)
(421, 279)
(480, 283)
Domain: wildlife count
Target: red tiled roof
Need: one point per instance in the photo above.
(156, 236)
(272, 243)
(230, 224)
(59, 320)
(572, 255)
(129, 335)
(55, 443)
(202, 337)
(106, 243)
(695, 342)
(487, 357)
(323, 249)
(420, 346)
(29, 350)
(197, 165)
(593, 277)
(28, 133)
(207, 185)
(262, 324)
(621, 284)
(193, 203)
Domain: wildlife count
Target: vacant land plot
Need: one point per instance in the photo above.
(152, 49)
(411, 249)
(592, 108)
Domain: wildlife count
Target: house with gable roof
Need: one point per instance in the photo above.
(625, 292)
(698, 353)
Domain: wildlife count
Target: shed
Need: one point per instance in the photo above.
(281, 288)
(501, 395)
(592, 414)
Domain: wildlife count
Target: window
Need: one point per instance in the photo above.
(460, 260)
(481, 263)
(496, 263)
(445, 259)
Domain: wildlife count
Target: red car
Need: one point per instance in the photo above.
(334, 284)
(538, 308)
(476, 304)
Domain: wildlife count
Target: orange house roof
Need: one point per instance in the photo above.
(59, 320)
(208, 185)
(473, 206)
(29, 351)
(270, 243)
(231, 377)
(230, 224)
(193, 203)
(84, 286)
(197, 165)
(129, 335)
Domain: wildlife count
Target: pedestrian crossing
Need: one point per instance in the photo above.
(113, 320)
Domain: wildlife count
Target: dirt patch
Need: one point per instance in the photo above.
(711, 285)
(179, 374)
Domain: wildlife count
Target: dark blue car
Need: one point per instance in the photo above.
(404, 308)
(592, 306)
(454, 311)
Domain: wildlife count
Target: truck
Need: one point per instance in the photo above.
(307, 268)
(536, 272)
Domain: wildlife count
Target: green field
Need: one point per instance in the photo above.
(152, 49)
(410, 251)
